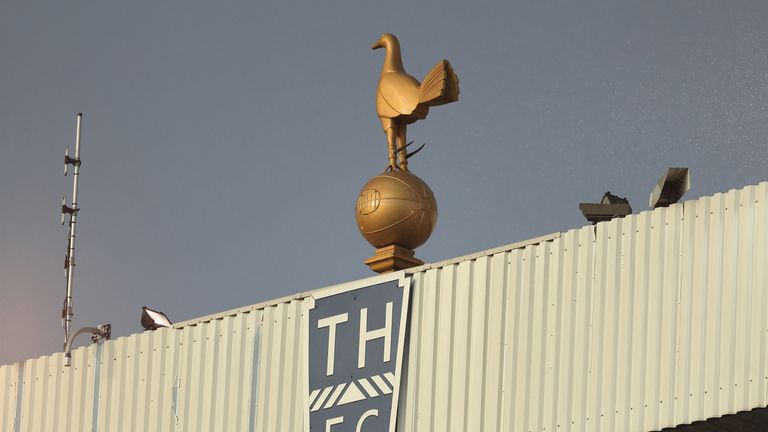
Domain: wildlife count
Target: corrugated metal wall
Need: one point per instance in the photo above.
(193, 379)
(636, 324)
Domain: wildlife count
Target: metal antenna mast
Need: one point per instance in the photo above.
(69, 260)
(103, 331)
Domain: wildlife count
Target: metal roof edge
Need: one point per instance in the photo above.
(286, 299)
(506, 248)
(427, 266)
(372, 279)
(364, 281)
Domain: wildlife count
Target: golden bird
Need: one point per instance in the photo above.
(402, 100)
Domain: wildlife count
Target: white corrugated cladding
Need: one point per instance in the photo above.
(145, 382)
(636, 324)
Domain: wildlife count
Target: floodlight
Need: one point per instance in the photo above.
(609, 207)
(670, 188)
(153, 320)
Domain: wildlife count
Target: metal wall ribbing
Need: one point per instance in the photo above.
(9, 376)
(198, 378)
(635, 324)
(281, 379)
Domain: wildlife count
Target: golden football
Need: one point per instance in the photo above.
(396, 207)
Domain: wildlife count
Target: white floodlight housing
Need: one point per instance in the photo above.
(670, 188)
(153, 320)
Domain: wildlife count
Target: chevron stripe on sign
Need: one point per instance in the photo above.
(355, 391)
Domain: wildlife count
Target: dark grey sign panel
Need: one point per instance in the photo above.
(355, 356)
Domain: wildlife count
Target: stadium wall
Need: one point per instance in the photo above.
(636, 324)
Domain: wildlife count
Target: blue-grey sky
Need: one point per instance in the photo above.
(225, 142)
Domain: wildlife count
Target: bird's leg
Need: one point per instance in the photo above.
(391, 147)
(402, 156)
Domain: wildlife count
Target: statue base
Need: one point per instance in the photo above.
(391, 258)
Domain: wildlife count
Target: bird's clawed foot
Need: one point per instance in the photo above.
(398, 161)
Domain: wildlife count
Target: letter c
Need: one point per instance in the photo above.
(369, 413)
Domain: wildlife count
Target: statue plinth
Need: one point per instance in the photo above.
(392, 258)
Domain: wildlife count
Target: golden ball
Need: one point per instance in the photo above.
(396, 207)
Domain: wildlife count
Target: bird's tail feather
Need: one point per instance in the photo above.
(440, 86)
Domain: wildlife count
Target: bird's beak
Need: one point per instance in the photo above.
(377, 45)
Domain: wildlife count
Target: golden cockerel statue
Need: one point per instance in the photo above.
(402, 100)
